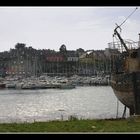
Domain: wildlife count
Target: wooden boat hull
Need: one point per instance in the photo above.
(127, 98)
(126, 87)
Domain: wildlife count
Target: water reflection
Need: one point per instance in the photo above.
(54, 104)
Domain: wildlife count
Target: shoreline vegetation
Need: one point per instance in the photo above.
(73, 124)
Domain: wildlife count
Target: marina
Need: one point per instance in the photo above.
(47, 82)
(57, 67)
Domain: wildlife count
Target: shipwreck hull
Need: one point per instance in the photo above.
(127, 98)
(126, 87)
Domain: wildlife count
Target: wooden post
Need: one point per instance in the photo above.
(131, 111)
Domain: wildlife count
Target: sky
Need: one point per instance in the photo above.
(90, 28)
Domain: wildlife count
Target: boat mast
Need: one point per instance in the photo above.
(119, 36)
(121, 40)
(139, 40)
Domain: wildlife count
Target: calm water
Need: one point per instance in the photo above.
(55, 104)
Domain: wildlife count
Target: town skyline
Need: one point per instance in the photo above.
(26, 61)
(90, 28)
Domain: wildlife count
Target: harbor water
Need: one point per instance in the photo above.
(87, 102)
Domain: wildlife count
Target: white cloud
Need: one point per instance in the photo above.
(87, 27)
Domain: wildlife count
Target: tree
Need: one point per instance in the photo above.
(80, 50)
(63, 48)
(20, 45)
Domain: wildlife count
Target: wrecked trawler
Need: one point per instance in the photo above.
(125, 71)
(125, 77)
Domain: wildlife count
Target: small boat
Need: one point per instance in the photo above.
(2, 85)
(29, 86)
(67, 86)
(10, 85)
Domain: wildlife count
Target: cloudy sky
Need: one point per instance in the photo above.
(76, 27)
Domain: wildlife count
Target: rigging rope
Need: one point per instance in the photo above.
(118, 26)
(128, 17)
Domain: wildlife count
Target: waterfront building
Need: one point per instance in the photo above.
(27, 61)
(54, 63)
(4, 58)
(23, 61)
(72, 62)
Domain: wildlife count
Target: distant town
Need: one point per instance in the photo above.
(27, 61)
